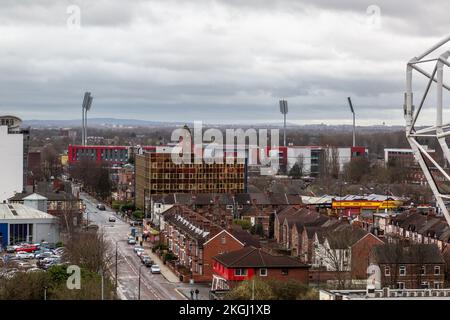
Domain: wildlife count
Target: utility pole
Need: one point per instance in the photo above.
(139, 284)
(116, 281)
(101, 271)
(253, 289)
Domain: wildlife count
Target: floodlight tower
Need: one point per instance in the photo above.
(354, 128)
(440, 130)
(86, 106)
(284, 111)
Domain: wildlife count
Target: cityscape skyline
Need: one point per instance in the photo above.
(215, 61)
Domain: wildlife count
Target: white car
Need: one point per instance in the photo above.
(155, 269)
(131, 241)
(137, 248)
(140, 252)
(24, 255)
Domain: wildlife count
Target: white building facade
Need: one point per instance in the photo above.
(11, 169)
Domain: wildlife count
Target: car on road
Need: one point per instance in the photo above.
(101, 207)
(148, 263)
(131, 241)
(155, 269)
(140, 252)
(112, 219)
(144, 256)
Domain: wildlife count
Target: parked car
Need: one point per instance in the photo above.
(112, 219)
(137, 248)
(155, 269)
(34, 269)
(140, 252)
(23, 264)
(101, 207)
(148, 263)
(144, 256)
(24, 255)
(131, 241)
(42, 255)
(27, 248)
(10, 249)
(59, 251)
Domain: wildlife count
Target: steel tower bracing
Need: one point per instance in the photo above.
(436, 55)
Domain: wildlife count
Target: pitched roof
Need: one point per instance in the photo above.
(418, 253)
(20, 211)
(245, 237)
(251, 257)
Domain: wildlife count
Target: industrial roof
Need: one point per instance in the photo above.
(20, 211)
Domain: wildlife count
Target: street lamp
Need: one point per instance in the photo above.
(139, 284)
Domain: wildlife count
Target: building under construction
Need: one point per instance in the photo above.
(156, 173)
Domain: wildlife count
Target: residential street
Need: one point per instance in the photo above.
(153, 286)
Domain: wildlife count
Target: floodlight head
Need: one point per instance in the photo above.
(85, 99)
(89, 103)
(283, 106)
(350, 104)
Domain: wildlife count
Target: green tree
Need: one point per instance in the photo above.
(256, 288)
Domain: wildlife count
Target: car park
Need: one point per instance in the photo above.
(155, 269)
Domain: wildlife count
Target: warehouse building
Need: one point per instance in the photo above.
(20, 223)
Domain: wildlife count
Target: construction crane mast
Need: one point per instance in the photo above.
(440, 130)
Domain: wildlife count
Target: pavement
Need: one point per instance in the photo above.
(165, 271)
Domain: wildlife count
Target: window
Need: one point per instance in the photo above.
(263, 272)
(438, 285)
(284, 272)
(387, 271)
(424, 285)
(400, 285)
(240, 272)
(223, 240)
(437, 270)
(423, 270)
(402, 270)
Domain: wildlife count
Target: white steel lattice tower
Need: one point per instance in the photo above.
(436, 55)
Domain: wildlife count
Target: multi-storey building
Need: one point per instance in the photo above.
(156, 173)
(13, 142)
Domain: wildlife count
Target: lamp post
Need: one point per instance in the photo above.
(139, 284)
(45, 293)
(116, 279)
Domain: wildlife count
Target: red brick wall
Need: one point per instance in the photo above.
(216, 247)
(298, 274)
(360, 255)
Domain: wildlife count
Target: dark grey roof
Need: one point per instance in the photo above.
(414, 254)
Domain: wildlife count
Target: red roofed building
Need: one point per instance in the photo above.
(233, 267)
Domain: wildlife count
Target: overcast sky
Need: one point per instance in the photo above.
(217, 61)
